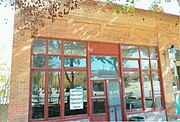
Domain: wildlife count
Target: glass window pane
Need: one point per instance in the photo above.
(104, 66)
(157, 89)
(130, 64)
(113, 92)
(132, 90)
(154, 64)
(54, 47)
(39, 46)
(54, 94)
(37, 102)
(145, 64)
(75, 102)
(130, 52)
(177, 54)
(39, 61)
(75, 62)
(75, 48)
(98, 106)
(147, 89)
(144, 52)
(98, 88)
(54, 62)
(153, 53)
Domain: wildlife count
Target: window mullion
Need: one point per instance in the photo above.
(46, 84)
(62, 82)
(141, 83)
(152, 87)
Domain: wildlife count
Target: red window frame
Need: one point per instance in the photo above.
(88, 70)
(140, 70)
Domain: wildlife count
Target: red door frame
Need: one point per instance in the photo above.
(105, 51)
(100, 115)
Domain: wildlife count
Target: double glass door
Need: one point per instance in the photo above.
(106, 100)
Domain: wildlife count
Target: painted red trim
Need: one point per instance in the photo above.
(152, 87)
(62, 83)
(46, 85)
(136, 45)
(123, 99)
(88, 79)
(75, 69)
(74, 56)
(130, 70)
(39, 54)
(106, 100)
(141, 82)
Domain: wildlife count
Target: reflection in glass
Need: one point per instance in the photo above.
(37, 101)
(54, 94)
(75, 62)
(177, 54)
(98, 88)
(130, 64)
(132, 90)
(39, 61)
(154, 64)
(39, 46)
(104, 66)
(144, 52)
(74, 80)
(145, 64)
(113, 93)
(54, 47)
(153, 53)
(157, 91)
(115, 112)
(130, 52)
(147, 89)
(54, 61)
(98, 106)
(75, 48)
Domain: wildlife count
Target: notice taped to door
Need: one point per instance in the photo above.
(76, 98)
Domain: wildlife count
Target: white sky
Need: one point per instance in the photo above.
(7, 18)
(6, 33)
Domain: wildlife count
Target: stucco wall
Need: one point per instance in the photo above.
(93, 21)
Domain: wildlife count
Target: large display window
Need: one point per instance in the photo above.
(74, 79)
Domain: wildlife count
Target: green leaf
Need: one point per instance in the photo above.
(154, 7)
(131, 9)
(132, 1)
(116, 11)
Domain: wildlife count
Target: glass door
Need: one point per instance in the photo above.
(99, 100)
(114, 100)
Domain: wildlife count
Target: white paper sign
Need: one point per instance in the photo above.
(76, 98)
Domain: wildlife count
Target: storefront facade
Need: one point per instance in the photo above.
(104, 70)
(99, 81)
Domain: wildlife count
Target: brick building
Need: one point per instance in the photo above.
(93, 64)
